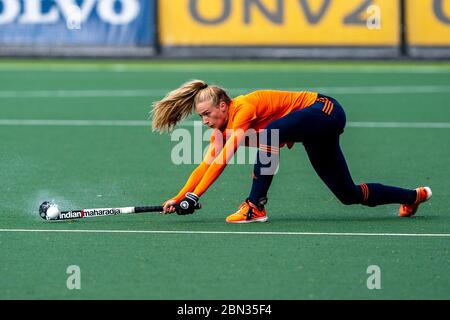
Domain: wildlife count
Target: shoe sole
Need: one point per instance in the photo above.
(264, 219)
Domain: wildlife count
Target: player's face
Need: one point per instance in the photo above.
(215, 117)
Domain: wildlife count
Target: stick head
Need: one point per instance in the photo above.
(43, 209)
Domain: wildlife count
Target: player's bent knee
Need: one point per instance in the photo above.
(348, 202)
(348, 199)
(369, 204)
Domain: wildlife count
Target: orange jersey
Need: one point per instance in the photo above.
(252, 111)
(257, 109)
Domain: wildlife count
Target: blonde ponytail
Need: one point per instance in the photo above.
(178, 104)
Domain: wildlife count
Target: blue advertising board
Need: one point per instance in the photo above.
(77, 22)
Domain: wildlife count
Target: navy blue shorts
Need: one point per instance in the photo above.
(322, 120)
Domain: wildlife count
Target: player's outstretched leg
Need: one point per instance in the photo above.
(328, 161)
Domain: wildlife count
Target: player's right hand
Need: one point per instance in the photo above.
(169, 206)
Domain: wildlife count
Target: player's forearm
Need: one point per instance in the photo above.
(194, 179)
(208, 179)
(219, 164)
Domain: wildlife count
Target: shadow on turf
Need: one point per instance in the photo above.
(214, 220)
(347, 219)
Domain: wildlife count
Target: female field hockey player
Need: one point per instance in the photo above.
(279, 118)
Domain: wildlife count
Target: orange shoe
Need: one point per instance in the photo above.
(423, 194)
(247, 213)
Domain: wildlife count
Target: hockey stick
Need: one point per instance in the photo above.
(49, 211)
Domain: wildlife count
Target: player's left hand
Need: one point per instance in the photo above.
(169, 206)
(188, 204)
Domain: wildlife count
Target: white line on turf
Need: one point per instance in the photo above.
(275, 233)
(372, 124)
(127, 93)
(409, 125)
(81, 93)
(229, 68)
(141, 123)
(76, 123)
